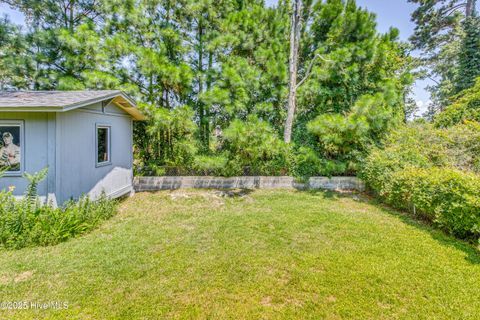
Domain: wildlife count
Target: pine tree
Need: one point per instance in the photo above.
(16, 64)
(251, 73)
(469, 57)
(343, 58)
(145, 46)
(56, 52)
(203, 20)
(438, 34)
(295, 34)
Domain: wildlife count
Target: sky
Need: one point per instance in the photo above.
(390, 13)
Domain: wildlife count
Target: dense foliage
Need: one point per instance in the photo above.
(349, 138)
(212, 77)
(432, 172)
(469, 56)
(27, 222)
(465, 108)
(447, 34)
(447, 197)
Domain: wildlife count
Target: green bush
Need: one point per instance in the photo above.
(465, 108)
(448, 197)
(424, 146)
(348, 138)
(455, 114)
(166, 140)
(26, 222)
(433, 172)
(305, 163)
(210, 165)
(254, 148)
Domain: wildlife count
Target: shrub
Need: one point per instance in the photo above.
(167, 139)
(254, 148)
(26, 222)
(433, 172)
(305, 163)
(348, 138)
(210, 165)
(455, 114)
(448, 197)
(465, 108)
(424, 146)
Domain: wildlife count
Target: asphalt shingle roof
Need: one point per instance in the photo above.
(11, 99)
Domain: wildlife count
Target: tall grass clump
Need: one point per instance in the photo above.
(27, 222)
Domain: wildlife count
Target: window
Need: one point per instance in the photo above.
(103, 145)
(11, 147)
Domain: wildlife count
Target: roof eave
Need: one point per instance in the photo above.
(126, 104)
(32, 109)
(120, 99)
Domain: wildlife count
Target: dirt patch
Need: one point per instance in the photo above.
(210, 194)
(266, 301)
(24, 276)
(4, 280)
(182, 194)
(235, 193)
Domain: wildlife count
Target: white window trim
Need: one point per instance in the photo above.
(109, 142)
(19, 123)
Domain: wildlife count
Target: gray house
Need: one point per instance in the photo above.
(83, 137)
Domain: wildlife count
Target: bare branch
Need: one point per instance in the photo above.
(451, 10)
(309, 69)
(430, 78)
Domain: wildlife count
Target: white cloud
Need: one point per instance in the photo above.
(422, 106)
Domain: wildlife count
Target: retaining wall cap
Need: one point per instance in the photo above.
(176, 182)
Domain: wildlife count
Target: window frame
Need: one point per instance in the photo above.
(21, 125)
(109, 144)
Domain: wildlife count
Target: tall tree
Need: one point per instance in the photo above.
(52, 25)
(342, 58)
(250, 74)
(16, 65)
(146, 47)
(438, 34)
(145, 43)
(203, 21)
(295, 33)
(469, 56)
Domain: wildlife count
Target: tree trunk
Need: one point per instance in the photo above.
(296, 26)
(200, 106)
(470, 8)
(206, 110)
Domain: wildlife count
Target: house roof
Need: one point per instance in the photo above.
(61, 101)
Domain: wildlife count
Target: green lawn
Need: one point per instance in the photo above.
(266, 254)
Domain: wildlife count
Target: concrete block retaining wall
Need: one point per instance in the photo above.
(171, 183)
(336, 183)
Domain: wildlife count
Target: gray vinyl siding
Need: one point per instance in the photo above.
(37, 149)
(77, 170)
(65, 142)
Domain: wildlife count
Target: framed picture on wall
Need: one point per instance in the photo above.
(11, 146)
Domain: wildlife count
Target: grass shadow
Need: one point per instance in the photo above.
(472, 253)
(330, 194)
(233, 193)
(224, 193)
(445, 239)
